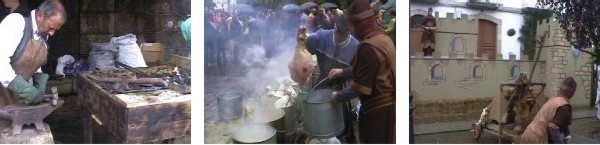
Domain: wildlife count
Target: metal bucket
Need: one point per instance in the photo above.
(230, 105)
(254, 134)
(321, 118)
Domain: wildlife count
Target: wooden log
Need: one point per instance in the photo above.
(182, 62)
(184, 89)
(127, 81)
(28, 136)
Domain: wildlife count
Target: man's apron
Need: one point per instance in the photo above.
(29, 56)
(27, 59)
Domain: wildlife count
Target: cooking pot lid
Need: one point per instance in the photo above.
(230, 95)
(268, 115)
(253, 133)
(320, 96)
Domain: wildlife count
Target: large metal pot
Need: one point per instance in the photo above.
(254, 134)
(321, 118)
(230, 105)
(271, 116)
(275, 118)
(290, 121)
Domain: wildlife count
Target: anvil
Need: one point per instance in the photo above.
(23, 115)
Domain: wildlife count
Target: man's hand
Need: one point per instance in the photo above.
(302, 33)
(41, 79)
(25, 90)
(568, 139)
(301, 29)
(335, 73)
(334, 98)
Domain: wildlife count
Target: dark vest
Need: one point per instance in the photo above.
(386, 76)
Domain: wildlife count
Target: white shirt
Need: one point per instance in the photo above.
(11, 32)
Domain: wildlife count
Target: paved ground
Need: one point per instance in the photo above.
(585, 129)
(250, 77)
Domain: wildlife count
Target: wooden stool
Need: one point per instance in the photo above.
(29, 136)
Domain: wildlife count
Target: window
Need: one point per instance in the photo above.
(415, 21)
(457, 43)
(514, 71)
(477, 72)
(437, 72)
(575, 51)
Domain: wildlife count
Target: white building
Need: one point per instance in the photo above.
(224, 4)
(508, 11)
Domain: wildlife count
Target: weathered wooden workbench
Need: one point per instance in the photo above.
(134, 118)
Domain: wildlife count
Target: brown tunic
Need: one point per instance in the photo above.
(374, 75)
(428, 37)
(537, 131)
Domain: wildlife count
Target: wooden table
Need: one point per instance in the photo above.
(133, 122)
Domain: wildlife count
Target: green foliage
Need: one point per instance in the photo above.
(580, 21)
(528, 31)
(424, 1)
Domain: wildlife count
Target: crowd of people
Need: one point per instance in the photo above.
(354, 48)
(228, 33)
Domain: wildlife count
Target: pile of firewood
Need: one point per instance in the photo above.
(154, 78)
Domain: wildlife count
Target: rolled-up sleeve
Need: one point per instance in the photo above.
(11, 31)
(314, 41)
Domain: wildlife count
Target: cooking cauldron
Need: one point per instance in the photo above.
(254, 134)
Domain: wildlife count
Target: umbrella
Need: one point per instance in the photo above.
(291, 7)
(328, 5)
(244, 8)
(308, 5)
(210, 4)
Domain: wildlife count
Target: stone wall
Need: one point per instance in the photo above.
(456, 36)
(563, 61)
(557, 61)
(92, 21)
(150, 20)
(458, 81)
(461, 31)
